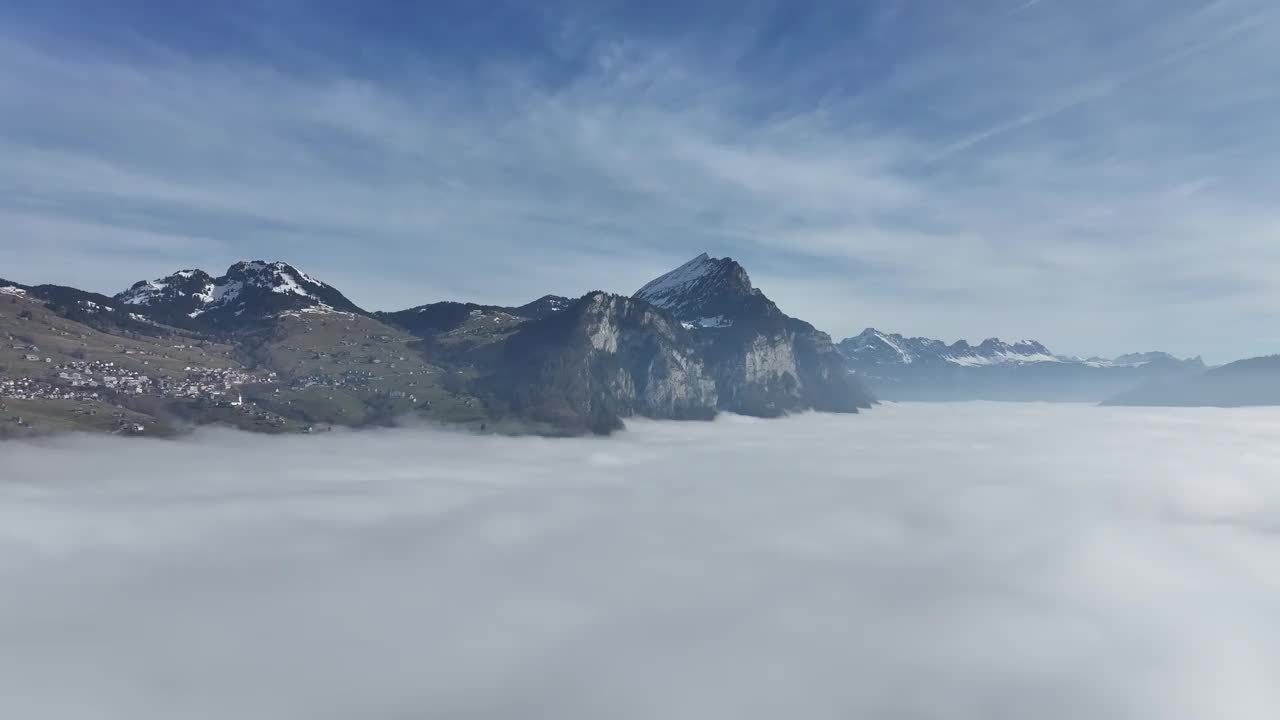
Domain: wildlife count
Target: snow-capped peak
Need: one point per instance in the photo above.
(872, 341)
(994, 351)
(665, 288)
(266, 288)
(185, 285)
(278, 277)
(704, 287)
(256, 287)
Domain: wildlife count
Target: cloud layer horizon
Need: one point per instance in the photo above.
(961, 561)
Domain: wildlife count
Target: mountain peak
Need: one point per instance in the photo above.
(256, 287)
(183, 293)
(994, 351)
(872, 333)
(264, 288)
(544, 306)
(702, 288)
(878, 347)
(280, 276)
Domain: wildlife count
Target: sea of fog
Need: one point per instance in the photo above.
(917, 561)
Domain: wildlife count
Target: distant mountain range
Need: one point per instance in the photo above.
(265, 346)
(1255, 381)
(906, 368)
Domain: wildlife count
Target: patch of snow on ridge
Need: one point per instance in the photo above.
(12, 290)
(143, 294)
(1003, 357)
(907, 357)
(277, 277)
(205, 296)
(288, 285)
(226, 294)
(151, 291)
(320, 309)
(307, 278)
(719, 321)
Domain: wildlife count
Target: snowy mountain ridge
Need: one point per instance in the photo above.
(877, 348)
(916, 368)
(193, 287)
(256, 287)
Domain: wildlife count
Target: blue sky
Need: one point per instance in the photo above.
(1099, 175)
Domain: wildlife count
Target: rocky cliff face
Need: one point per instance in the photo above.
(764, 362)
(773, 368)
(601, 359)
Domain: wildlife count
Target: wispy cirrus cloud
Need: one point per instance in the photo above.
(1096, 178)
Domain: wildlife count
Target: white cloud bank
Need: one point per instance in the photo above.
(958, 561)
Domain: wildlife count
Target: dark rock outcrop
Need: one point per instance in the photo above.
(445, 316)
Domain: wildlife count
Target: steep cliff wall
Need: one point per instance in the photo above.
(602, 359)
(764, 362)
(769, 366)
